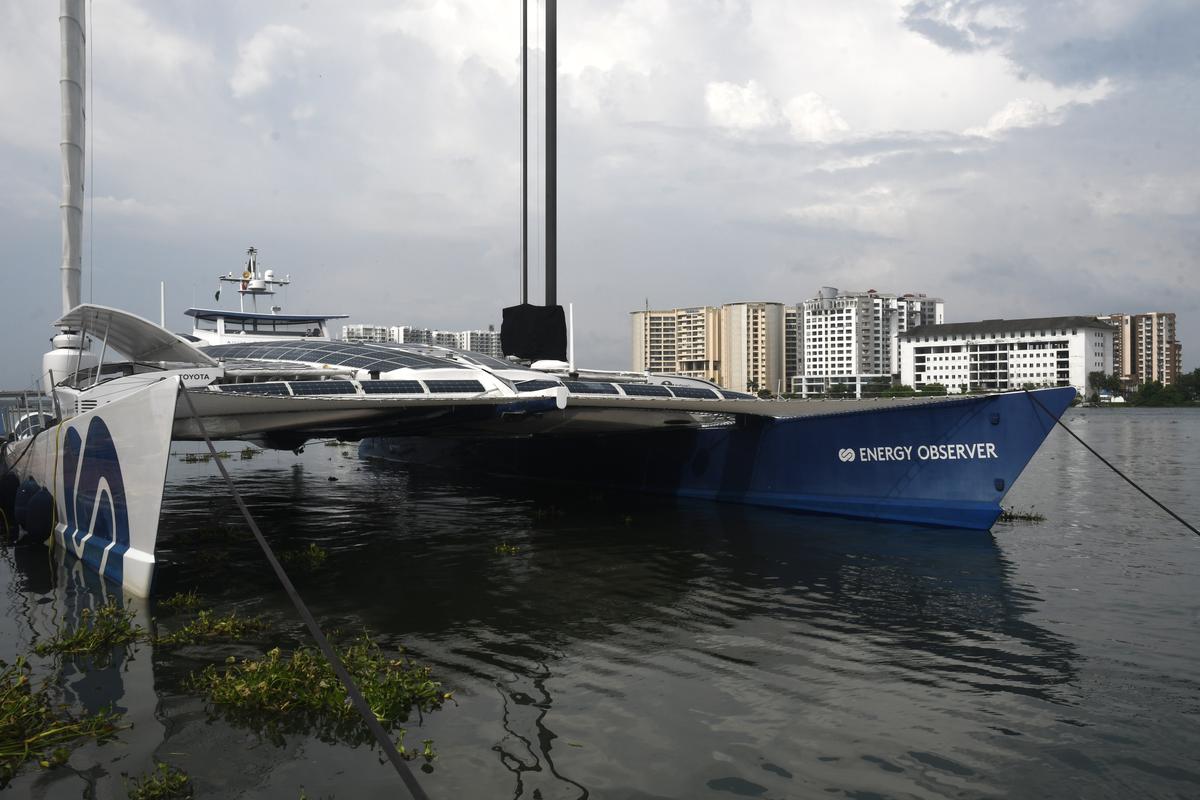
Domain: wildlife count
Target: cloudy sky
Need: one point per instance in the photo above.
(1018, 157)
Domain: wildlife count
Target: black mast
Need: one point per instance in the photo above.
(524, 151)
(551, 153)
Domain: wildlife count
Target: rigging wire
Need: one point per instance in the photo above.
(352, 691)
(91, 162)
(1109, 464)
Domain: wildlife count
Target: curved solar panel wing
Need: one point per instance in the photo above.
(693, 393)
(644, 390)
(590, 387)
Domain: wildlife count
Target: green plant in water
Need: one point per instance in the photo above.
(34, 728)
(308, 558)
(300, 693)
(506, 549)
(208, 626)
(248, 453)
(97, 633)
(165, 783)
(183, 601)
(1014, 515)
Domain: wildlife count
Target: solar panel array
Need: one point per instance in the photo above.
(361, 355)
(392, 387)
(535, 385)
(321, 387)
(254, 388)
(693, 393)
(590, 387)
(645, 390)
(449, 387)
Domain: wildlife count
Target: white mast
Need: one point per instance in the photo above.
(71, 83)
(70, 355)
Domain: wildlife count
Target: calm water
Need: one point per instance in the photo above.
(646, 649)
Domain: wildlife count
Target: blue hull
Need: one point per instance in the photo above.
(945, 464)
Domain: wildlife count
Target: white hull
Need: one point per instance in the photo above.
(104, 471)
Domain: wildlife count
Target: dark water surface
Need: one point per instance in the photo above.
(636, 648)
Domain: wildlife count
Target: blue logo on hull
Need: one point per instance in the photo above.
(97, 515)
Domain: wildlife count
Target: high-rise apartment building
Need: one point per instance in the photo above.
(678, 341)
(752, 347)
(738, 345)
(850, 338)
(793, 344)
(1145, 348)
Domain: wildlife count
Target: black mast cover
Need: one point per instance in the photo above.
(528, 331)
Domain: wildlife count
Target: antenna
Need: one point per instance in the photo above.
(551, 153)
(524, 151)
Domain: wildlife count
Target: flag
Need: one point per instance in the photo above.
(217, 296)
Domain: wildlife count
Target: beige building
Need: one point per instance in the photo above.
(679, 341)
(752, 347)
(738, 345)
(1145, 348)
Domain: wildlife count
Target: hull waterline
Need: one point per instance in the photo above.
(946, 464)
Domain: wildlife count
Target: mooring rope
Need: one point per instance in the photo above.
(360, 703)
(1109, 464)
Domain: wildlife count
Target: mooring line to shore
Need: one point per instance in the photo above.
(1110, 465)
(352, 690)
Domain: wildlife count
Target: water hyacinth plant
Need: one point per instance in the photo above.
(33, 728)
(208, 626)
(98, 633)
(165, 783)
(299, 692)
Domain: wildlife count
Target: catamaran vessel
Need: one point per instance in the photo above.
(86, 472)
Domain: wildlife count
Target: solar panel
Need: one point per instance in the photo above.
(693, 393)
(589, 387)
(254, 388)
(322, 387)
(644, 390)
(447, 387)
(392, 387)
(728, 395)
(359, 355)
(535, 385)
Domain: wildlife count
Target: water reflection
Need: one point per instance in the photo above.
(626, 647)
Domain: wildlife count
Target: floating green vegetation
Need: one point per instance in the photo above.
(34, 728)
(182, 601)
(165, 783)
(506, 549)
(208, 627)
(97, 633)
(223, 454)
(333, 443)
(306, 559)
(248, 453)
(1015, 515)
(279, 693)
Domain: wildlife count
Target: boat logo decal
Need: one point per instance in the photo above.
(97, 514)
(972, 451)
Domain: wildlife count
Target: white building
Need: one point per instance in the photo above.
(849, 338)
(405, 334)
(483, 342)
(998, 354)
(365, 333)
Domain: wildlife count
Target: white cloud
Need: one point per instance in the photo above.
(813, 119)
(1019, 113)
(266, 56)
(741, 108)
